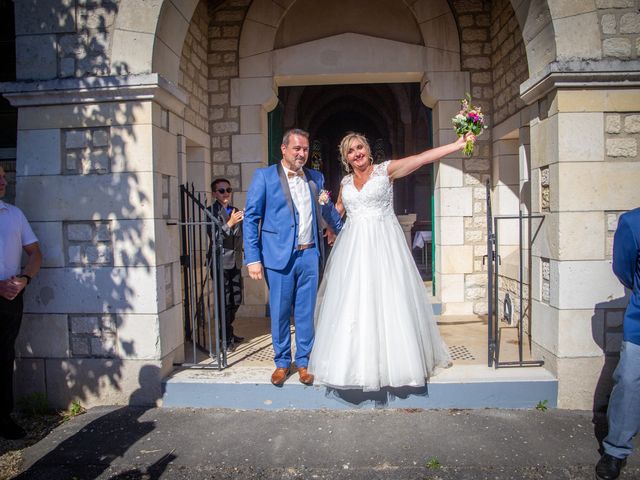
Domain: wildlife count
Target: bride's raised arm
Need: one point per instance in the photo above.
(404, 166)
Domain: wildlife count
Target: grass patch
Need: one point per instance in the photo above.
(542, 405)
(74, 410)
(434, 464)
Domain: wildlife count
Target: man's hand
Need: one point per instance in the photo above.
(255, 271)
(236, 217)
(330, 236)
(11, 287)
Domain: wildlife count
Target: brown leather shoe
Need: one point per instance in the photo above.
(279, 376)
(305, 377)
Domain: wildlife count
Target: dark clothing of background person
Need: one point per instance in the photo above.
(231, 264)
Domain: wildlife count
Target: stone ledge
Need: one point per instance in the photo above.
(96, 89)
(581, 74)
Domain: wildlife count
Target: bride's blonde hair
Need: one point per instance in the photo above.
(345, 143)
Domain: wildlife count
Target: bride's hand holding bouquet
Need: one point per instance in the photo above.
(470, 120)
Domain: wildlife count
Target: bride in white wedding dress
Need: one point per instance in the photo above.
(374, 324)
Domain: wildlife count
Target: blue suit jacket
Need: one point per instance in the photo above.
(626, 266)
(271, 219)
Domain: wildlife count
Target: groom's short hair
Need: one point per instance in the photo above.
(294, 131)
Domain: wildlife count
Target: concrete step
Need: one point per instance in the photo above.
(463, 386)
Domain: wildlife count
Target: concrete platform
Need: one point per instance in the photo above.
(464, 386)
(469, 383)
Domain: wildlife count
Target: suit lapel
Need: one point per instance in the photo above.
(285, 189)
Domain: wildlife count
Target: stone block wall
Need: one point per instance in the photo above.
(194, 69)
(86, 151)
(224, 119)
(109, 263)
(474, 21)
(584, 174)
(508, 61)
(620, 28)
(64, 38)
(622, 136)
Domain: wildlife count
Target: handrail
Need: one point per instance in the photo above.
(493, 268)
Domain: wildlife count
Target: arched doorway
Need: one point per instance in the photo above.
(393, 119)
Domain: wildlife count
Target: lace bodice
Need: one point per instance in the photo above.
(375, 198)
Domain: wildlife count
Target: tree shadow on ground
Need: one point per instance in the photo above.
(91, 451)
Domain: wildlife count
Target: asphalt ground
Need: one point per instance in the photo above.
(138, 443)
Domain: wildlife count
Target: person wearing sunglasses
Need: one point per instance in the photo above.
(230, 218)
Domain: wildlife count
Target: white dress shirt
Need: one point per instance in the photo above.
(301, 197)
(15, 233)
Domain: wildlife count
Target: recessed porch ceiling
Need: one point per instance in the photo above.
(388, 19)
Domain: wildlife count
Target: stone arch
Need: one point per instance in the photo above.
(554, 30)
(158, 29)
(439, 55)
(434, 18)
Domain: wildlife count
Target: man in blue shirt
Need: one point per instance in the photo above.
(623, 413)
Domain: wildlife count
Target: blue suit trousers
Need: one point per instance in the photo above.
(296, 285)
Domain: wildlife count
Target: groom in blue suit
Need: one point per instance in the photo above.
(283, 223)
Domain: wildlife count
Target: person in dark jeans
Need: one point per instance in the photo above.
(16, 237)
(623, 413)
(231, 220)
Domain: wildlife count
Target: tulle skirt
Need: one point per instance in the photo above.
(374, 324)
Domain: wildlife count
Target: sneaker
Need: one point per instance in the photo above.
(11, 430)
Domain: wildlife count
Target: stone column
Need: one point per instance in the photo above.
(97, 178)
(585, 166)
(453, 199)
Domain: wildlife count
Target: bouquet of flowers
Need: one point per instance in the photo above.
(469, 119)
(324, 197)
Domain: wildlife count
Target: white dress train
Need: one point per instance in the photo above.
(374, 324)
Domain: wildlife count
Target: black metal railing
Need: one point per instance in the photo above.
(202, 280)
(493, 274)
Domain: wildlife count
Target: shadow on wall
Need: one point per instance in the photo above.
(103, 275)
(606, 330)
(100, 443)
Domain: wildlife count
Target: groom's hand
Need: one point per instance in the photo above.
(255, 271)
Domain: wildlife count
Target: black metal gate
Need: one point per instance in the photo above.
(493, 270)
(202, 280)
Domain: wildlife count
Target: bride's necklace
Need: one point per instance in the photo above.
(359, 182)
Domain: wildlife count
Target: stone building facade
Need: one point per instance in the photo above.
(120, 101)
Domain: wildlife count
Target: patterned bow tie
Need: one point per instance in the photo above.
(291, 174)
